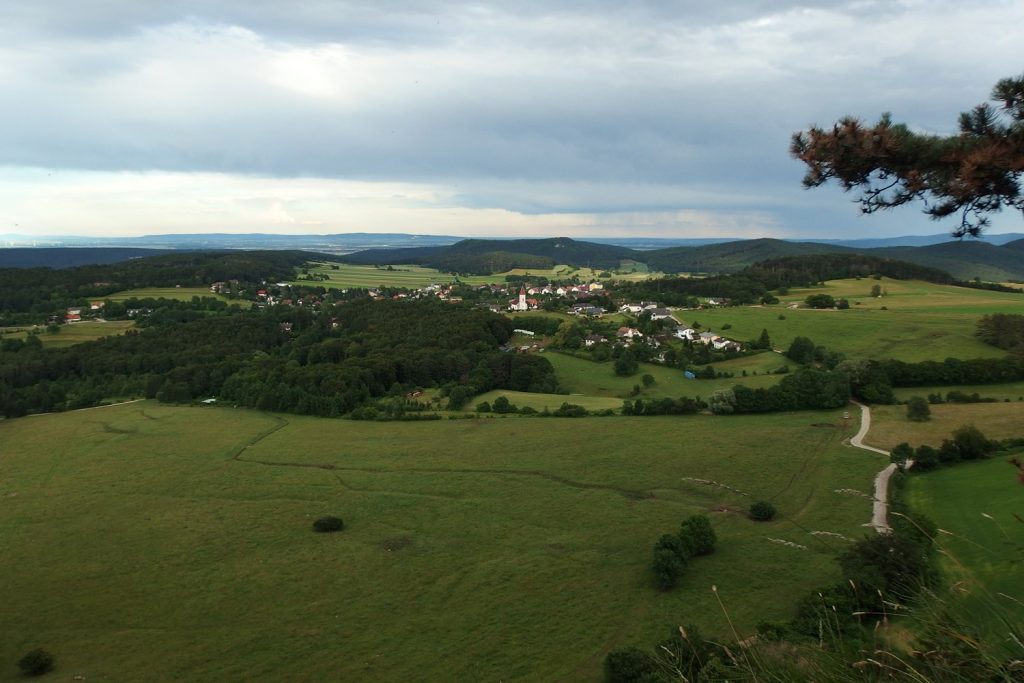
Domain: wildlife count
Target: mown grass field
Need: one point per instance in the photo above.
(586, 377)
(1011, 390)
(176, 293)
(413, 277)
(890, 426)
(152, 543)
(541, 401)
(76, 333)
(979, 506)
(923, 321)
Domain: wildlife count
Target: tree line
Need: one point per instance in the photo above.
(288, 359)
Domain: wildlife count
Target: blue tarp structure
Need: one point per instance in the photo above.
(689, 375)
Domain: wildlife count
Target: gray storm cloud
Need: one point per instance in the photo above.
(587, 108)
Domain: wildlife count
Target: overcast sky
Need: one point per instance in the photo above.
(518, 118)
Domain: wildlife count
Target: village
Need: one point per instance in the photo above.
(589, 314)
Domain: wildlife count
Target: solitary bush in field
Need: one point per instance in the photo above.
(698, 536)
(328, 524)
(36, 662)
(762, 511)
(918, 410)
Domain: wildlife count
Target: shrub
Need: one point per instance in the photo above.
(628, 665)
(668, 567)
(698, 536)
(36, 662)
(918, 410)
(672, 543)
(801, 350)
(502, 405)
(901, 453)
(762, 511)
(483, 407)
(328, 524)
(925, 458)
(971, 443)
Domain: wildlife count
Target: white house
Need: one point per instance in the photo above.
(628, 333)
(661, 314)
(687, 333)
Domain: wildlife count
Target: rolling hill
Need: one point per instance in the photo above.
(963, 260)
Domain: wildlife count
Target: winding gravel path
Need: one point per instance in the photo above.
(880, 508)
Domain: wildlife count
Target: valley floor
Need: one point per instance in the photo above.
(152, 543)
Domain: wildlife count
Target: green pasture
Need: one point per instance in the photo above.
(414, 277)
(978, 507)
(923, 321)
(152, 543)
(75, 333)
(760, 363)
(358, 276)
(581, 376)
(1012, 390)
(541, 401)
(890, 426)
(177, 293)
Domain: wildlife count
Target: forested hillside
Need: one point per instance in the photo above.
(26, 294)
(285, 359)
(963, 260)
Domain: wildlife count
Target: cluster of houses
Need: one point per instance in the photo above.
(716, 342)
(75, 313)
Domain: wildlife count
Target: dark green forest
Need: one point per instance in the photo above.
(344, 357)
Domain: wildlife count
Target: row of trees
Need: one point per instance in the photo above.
(803, 389)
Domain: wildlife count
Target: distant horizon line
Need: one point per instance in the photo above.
(26, 236)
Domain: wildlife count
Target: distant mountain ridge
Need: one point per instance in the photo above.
(358, 241)
(964, 260)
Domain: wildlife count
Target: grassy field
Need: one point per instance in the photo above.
(152, 543)
(178, 293)
(923, 321)
(75, 333)
(580, 376)
(542, 401)
(759, 363)
(979, 505)
(1012, 390)
(890, 426)
(412, 277)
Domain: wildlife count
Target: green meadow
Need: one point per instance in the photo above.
(75, 333)
(890, 426)
(341, 275)
(1013, 391)
(151, 543)
(541, 401)
(582, 376)
(177, 293)
(978, 507)
(920, 321)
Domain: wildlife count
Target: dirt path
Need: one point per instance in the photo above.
(880, 508)
(78, 410)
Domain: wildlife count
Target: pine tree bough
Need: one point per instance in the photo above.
(971, 175)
